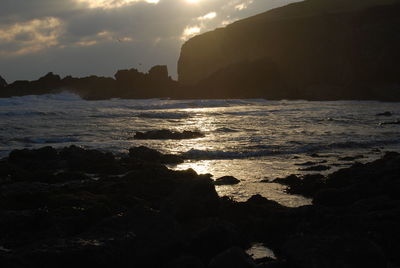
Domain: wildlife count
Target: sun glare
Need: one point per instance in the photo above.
(192, 1)
(190, 32)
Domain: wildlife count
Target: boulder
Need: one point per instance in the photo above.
(397, 122)
(351, 158)
(195, 198)
(316, 168)
(150, 155)
(186, 262)
(165, 134)
(306, 185)
(333, 252)
(226, 180)
(384, 114)
(90, 161)
(233, 258)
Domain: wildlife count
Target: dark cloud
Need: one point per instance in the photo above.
(67, 37)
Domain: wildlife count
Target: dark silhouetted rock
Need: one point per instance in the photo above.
(186, 262)
(265, 55)
(90, 161)
(335, 197)
(226, 180)
(316, 168)
(311, 163)
(289, 180)
(333, 252)
(127, 84)
(397, 122)
(146, 154)
(3, 82)
(135, 212)
(351, 158)
(234, 257)
(156, 83)
(166, 134)
(159, 73)
(385, 114)
(196, 198)
(306, 185)
(49, 81)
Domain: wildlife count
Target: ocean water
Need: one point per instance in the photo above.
(252, 140)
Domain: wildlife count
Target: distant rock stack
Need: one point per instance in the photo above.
(3, 83)
(135, 84)
(159, 73)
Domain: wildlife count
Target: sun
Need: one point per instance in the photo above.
(192, 1)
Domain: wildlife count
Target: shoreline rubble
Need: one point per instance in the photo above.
(139, 213)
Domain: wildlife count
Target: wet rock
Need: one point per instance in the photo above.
(311, 163)
(351, 158)
(213, 237)
(333, 252)
(146, 154)
(274, 264)
(226, 180)
(397, 122)
(195, 198)
(166, 134)
(186, 262)
(90, 161)
(46, 157)
(335, 197)
(306, 185)
(234, 257)
(385, 114)
(260, 200)
(316, 168)
(156, 217)
(317, 155)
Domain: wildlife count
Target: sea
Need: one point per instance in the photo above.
(254, 140)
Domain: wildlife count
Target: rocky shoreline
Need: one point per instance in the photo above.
(87, 208)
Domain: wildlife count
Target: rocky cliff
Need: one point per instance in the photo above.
(316, 49)
(3, 82)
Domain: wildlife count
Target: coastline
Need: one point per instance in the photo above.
(81, 207)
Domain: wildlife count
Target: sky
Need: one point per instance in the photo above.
(99, 37)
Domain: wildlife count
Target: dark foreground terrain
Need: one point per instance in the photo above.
(85, 208)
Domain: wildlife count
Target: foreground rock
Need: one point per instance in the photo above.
(351, 223)
(87, 208)
(166, 134)
(143, 153)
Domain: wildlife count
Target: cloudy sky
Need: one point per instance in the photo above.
(83, 37)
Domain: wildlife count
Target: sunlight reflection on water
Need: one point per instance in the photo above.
(250, 174)
(251, 140)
